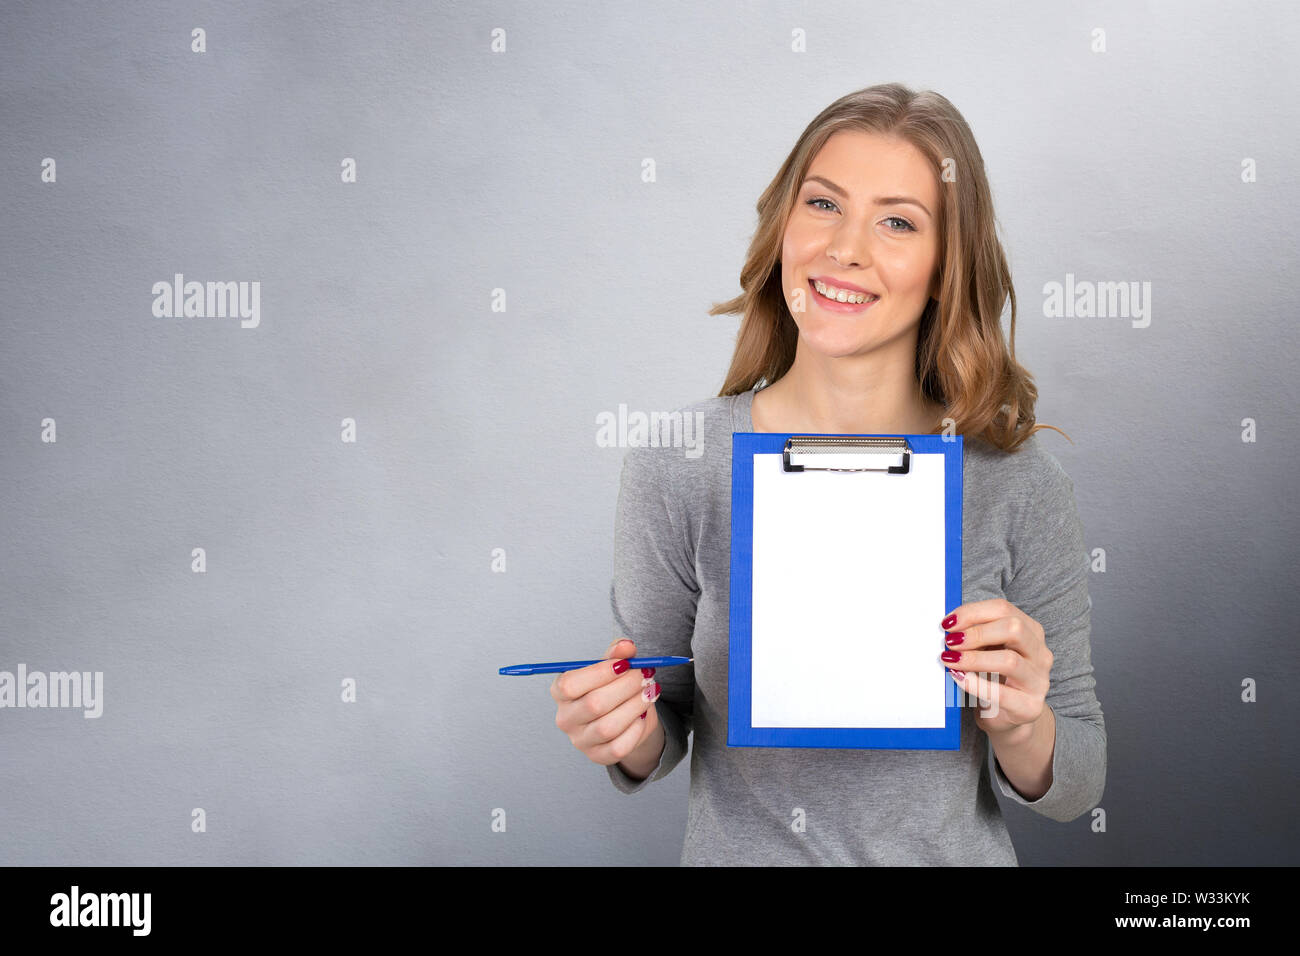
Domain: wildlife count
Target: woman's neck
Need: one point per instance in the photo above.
(801, 404)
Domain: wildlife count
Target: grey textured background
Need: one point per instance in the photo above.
(521, 171)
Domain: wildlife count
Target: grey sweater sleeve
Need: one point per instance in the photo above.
(654, 592)
(1050, 584)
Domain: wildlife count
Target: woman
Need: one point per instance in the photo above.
(872, 303)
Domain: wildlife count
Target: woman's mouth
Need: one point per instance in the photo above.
(840, 300)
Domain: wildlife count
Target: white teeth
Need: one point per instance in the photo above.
(843, 295)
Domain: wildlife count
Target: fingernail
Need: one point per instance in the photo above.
(643, 713)
(647, 672)
(651, 693)
(620, 665)
(956, 637)
(948, 621)
(951, 656)
(958, 675)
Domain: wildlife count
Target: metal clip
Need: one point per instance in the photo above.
(839, 449)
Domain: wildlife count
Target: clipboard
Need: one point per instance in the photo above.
(845, 556)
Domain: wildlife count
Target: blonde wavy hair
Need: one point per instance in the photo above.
(962, 359)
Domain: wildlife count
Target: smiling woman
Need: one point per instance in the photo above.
(873, 293)
(884, 194)
(848, 250)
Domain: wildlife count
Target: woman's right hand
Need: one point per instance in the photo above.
(608, 711)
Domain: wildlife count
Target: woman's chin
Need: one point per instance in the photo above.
(834, 344)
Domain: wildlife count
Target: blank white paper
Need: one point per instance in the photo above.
(848, 592)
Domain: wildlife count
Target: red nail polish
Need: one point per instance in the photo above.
(956, 637)
(952, 656)
(957, 675)
(948, 621)
(621, 665)
(647, 672)
(643, 713)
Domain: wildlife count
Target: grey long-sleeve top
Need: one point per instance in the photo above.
(1021, 539)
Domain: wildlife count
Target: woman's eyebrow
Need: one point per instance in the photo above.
(880, 200)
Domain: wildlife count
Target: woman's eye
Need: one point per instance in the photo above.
(830, 207)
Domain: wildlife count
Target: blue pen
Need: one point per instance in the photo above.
(556, 666)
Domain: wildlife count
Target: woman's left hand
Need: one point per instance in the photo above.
(1008, 646)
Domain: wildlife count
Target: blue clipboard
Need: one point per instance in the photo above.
(879, 458)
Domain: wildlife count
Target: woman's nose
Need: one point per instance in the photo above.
(850, 246)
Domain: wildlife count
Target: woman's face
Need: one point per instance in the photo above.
(867, 223)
